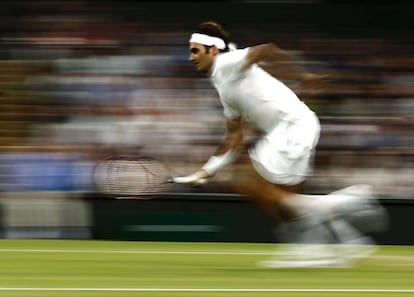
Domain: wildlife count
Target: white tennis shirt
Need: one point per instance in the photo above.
(253, 93)
(291, 128)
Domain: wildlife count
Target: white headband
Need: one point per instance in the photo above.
(208, 40)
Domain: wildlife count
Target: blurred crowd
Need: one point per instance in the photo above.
(81, 80)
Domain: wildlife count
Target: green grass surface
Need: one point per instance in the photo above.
(109, 268)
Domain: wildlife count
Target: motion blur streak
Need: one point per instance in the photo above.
(80, 81)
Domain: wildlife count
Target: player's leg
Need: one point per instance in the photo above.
(348, 215)
(304, 234)
(304, 219)
(246, 181)
(288, 208)
(357, 205)
(355, 213)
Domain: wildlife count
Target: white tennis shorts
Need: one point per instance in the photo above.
(284, 156)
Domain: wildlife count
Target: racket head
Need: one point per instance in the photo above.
(130, 177)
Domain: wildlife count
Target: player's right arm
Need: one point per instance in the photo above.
(224, 155)
(234, 136)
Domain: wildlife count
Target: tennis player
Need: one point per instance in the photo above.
(281, 158)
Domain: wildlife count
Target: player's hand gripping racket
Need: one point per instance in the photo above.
(136, 177)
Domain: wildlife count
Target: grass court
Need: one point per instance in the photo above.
(63, 268)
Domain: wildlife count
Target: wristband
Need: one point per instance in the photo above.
(216, 163)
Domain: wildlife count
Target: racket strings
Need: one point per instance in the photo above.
(131, 177)
(157, 176)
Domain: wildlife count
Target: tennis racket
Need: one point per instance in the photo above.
(133, 177)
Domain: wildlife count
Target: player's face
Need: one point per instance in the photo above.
(202, 58)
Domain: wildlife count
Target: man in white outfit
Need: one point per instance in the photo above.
(281, 159)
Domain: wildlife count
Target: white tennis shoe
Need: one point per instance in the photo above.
(317, 256)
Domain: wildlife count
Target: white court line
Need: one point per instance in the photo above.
(138, 252)
(267, 253)
(339, 290)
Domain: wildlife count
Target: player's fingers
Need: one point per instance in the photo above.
(192, 178)
(200, 182)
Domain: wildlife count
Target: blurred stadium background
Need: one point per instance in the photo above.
(83, 79)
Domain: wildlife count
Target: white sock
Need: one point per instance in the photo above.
(306, 229)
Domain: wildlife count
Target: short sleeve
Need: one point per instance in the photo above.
(230, 65)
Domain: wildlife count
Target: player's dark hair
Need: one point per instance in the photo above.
(214, 29)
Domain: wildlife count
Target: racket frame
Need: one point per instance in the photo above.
(149, 191)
